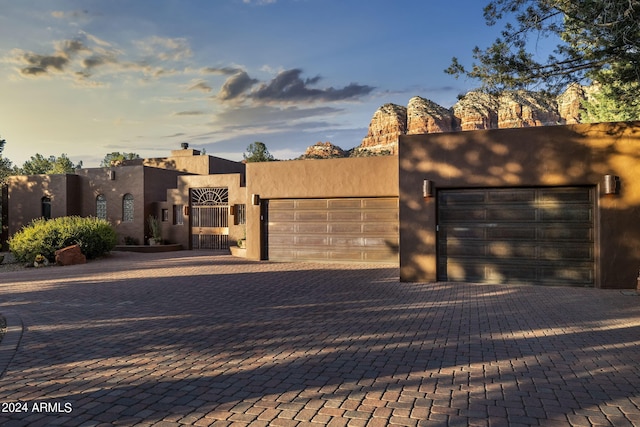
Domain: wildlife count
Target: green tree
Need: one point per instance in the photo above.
(116, 158)
(597, 40)
(39, 164)
(257, 152)
(6, 169)
(602, 104)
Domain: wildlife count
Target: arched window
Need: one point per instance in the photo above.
(127, 208)
(101, 206)
(46, 207)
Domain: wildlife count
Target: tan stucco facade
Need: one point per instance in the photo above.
(575, 155)
(300, 179)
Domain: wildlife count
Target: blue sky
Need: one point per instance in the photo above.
(89, 77)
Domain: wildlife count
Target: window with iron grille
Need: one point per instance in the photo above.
(46, 207)
(241, 214)
(101, 206)
(127, 208)
(178, 214)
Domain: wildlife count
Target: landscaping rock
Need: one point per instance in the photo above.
(70, 255)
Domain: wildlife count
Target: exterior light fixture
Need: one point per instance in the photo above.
(255, 199)
(112, 175)
(611, 184)
(427, 189)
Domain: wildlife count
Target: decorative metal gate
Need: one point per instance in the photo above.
(210, 218)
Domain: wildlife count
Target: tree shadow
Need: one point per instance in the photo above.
(241, 335)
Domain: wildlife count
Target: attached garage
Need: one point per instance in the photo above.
(541, 235)
(338, 229)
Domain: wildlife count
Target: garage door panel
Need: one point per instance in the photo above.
(310, 204)
(509, 232)
(352, 229)
(311, 216)
(343, 203)
(567, 214)
(511, 214)
(355, 216)
(533, 235)
(306, 228)
(571, 252)
(381, 228)
(566, 233)
(511, 197)
(467, 198)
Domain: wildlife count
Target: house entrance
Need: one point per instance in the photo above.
(210, 218)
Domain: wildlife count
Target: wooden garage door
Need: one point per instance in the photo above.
(521, 235)
(364, 229)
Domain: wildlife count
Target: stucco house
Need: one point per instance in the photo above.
(556, 205)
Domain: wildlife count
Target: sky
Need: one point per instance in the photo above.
(90, 77)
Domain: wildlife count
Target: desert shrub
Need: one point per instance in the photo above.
(94, 236)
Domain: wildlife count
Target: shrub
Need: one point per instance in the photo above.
(94, 236)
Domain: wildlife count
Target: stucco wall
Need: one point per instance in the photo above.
(351, 177)
(180, 196)
(25, 193)
(544, 156)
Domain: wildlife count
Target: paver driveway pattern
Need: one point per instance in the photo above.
(188, 338)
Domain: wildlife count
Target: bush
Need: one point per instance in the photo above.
(94, 236)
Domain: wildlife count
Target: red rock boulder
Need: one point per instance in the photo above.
(70, 255)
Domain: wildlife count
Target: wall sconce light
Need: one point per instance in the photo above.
(611, 184)
(255, 199)
(112, 175)
(427, 189)
(232, 210)
(187, 211)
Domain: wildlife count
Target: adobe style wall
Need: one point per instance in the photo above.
(180, 233)
(329, 178)
(24, 198)
(543, 156)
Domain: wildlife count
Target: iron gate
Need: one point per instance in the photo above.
(210, 218)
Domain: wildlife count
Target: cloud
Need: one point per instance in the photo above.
(235, 86)
(221, 70)
(201, 85)
(287, 87)
(165, 49)
(190, 113)
(87, 56)
(33, 64)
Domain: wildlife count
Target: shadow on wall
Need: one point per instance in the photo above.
(576, 155)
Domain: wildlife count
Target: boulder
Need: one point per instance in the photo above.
(70, 255)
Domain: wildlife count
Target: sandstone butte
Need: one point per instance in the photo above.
(475, 110)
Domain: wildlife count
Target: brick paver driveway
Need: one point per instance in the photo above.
(189, 338)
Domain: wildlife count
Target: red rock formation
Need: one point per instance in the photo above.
(570, 103)
(425, 116)
(324, 150)
(476, 110)
(387, 124)
(526, 109)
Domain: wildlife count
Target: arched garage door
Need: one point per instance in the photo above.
(517, 235)
(349, 229)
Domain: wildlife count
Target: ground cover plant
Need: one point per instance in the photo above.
(95, 237)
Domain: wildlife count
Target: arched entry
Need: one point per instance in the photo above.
(210, 218)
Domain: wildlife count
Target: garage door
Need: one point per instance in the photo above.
(524, 235)
(364, 229)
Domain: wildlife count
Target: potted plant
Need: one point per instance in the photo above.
(156, 231)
